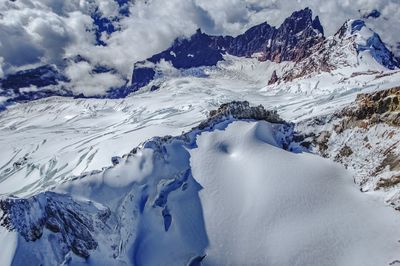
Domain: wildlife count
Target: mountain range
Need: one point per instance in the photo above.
(299, 39)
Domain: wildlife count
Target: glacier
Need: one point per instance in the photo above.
(189, 199)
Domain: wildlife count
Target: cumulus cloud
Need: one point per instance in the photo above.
(1, 67)
(32, 34)
(47, 31)
(84, 81)
(150, 28)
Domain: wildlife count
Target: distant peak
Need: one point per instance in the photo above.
(316, 24)
(302, 19)
(306, 11)
(350, 27)
(367, 41)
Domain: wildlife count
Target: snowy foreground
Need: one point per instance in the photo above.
(223, 195)
(284, 208)
(226, 195)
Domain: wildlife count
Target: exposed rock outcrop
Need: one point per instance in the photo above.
(372, 108)
(241, 110)
(364, 137)
(73, 222)
(290, 42)
(274, 78)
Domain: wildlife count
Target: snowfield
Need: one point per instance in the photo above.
(285, 154)
(49, 141)
(226, 195)
(265, 206)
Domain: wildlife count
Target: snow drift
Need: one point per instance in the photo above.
(224, 193)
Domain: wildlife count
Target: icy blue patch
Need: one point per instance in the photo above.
(379, 52)
(167, 218)
(170, 186)
(357, 25)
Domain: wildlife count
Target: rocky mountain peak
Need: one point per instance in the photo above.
(354, 45)
(289, 42)
(302, 20)
(366, 41)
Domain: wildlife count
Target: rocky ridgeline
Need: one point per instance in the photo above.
(372, 108)
(340, 50)
(299, 39)
(72, 222)
(364, 137)
(291, 41)
(240, 110)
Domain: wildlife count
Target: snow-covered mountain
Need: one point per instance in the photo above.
(353, 48)
(176, 200)
(299, 39)
(221, 150)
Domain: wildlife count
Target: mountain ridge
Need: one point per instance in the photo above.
(297, 39)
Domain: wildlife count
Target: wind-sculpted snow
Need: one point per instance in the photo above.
(142, 179)
(49, 141)
(220, 194)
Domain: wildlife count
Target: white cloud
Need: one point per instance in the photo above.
(1, 67)
(88, 83)
(35, 34)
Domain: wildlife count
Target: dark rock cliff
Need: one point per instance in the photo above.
(290, 42)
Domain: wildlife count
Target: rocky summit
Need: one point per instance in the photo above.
(291, 41)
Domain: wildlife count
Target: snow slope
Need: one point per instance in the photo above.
(48, 141)
(178, 200)
(284, 208)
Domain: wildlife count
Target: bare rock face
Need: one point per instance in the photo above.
(385, 183)
(291, 41)
(342, 50)
(74, 223)
(372, 108)
(274, 78)
(364, 137)
(241, 110)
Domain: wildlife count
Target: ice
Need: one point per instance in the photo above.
(49, 141)
(224, 196)
(263, 205)
(235, 197)
(9, 241)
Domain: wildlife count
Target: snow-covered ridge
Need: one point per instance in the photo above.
(76, 223)
(177, 200)
(299, 40)
(364, 137)
(49, 141)
(353, 49)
